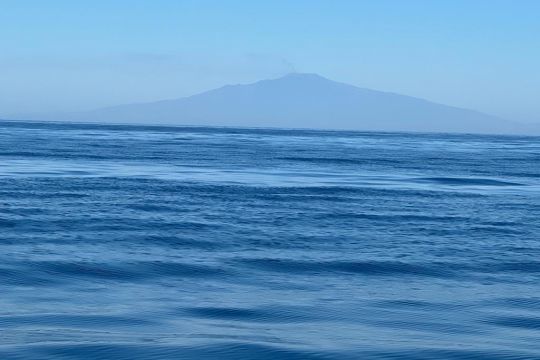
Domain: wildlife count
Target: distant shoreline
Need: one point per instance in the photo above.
(164, 127)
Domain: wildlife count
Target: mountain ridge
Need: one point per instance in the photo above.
(299, 100)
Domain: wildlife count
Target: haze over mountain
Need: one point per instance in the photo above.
(299, 101)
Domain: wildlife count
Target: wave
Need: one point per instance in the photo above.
(467, 181)
(373, 268)
(268, 314)
(54, 272)
(247, 351)
(523, 322)
(339, 161)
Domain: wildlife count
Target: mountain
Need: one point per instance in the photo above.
(300, 101)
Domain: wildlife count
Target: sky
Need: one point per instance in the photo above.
(61, 55)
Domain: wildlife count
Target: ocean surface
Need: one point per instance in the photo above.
(132, 242)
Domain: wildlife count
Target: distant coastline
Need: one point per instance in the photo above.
(166, 127)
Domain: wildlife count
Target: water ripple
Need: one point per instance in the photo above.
(145, 242)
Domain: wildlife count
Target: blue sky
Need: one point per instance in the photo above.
(71, 55)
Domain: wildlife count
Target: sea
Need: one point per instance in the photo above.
(147, 242)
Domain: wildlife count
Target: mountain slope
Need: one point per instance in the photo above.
(300, 101)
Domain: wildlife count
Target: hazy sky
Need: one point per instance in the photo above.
(73, 55)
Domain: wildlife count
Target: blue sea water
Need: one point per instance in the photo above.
(131, 242)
